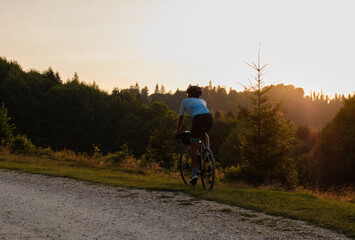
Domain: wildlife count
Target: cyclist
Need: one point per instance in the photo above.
(202, 121)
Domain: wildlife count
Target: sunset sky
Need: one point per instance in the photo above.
(116, 43)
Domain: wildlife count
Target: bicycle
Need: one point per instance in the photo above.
(206, 163)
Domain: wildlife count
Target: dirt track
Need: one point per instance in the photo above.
(40, 207)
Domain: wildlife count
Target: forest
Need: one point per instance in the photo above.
(306, 140)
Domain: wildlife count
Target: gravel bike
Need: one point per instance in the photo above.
(206, 164)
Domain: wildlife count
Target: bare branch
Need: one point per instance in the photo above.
(251, 65)
(263, 67)
(244, 86)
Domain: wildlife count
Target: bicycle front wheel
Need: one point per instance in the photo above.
(186, 165)
(208, 170)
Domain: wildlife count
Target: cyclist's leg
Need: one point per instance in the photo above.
(195, 137)
(194, 148)
(206, 139)
(207, 125)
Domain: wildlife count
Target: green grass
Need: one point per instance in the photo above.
(335, 215)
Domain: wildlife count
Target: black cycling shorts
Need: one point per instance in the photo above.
(201, 124)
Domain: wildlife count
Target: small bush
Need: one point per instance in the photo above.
(176, 163)
(233, 174)
(148, 163)
(114, 158)
(6, 127)
(21, 144)
(45, 152)
(118, 157)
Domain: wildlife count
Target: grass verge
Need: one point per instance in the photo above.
(335, 215)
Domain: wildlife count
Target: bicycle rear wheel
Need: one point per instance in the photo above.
(186, 165)
(208, 170)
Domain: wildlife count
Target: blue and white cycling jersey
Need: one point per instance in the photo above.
(194, 106)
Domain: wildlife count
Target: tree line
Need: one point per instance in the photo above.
(79, 116)
(313, 111)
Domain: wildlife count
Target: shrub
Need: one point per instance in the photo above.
(233, 174)
(44, 152)
(114, 158)
(118, 157)
(21, 144)
(6, 128)
(176, 161)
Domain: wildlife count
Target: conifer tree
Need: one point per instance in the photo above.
(145, 95)
(156, 88)
(266, 141)
(162, 89)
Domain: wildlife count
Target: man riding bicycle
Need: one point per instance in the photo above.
(202, 121)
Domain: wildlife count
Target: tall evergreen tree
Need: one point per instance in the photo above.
(145, 95)
(266, 140)
(156, 88)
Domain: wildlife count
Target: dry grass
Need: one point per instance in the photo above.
(339, 193)
(68, 158)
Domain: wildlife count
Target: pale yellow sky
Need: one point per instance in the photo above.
(117, 43)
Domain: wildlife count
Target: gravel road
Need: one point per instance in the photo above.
(39, 207)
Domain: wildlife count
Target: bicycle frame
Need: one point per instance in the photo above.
(206, 165)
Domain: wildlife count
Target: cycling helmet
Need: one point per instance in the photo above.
(194, 91)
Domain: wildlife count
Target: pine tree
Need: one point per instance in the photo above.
(266, 141)
(75, 77)
(156, 88)
(145, 95)
(162, 89)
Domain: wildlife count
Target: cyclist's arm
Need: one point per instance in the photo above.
(179, 125)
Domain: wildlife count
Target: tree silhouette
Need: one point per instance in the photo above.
(266, 140)
(333, 161)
